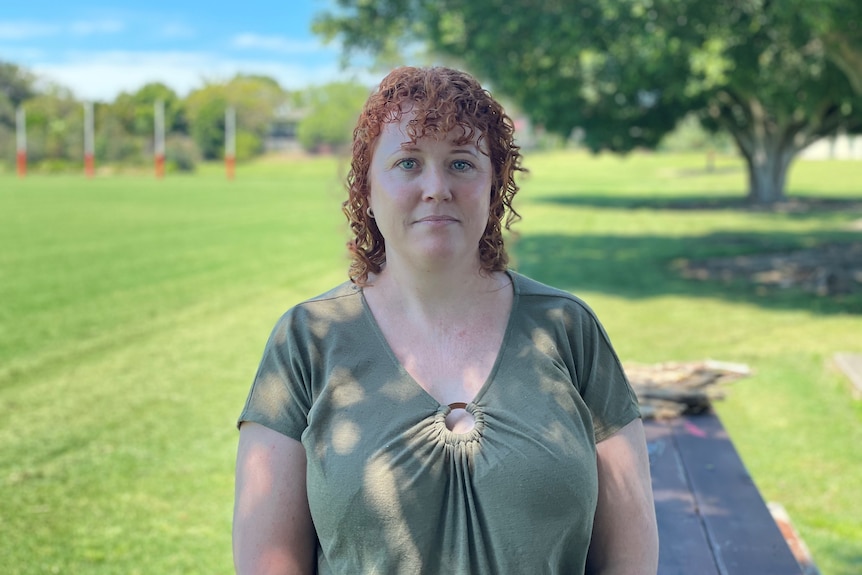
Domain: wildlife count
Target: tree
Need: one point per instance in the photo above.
(136, 111)
(125, 128)
(332, 113)
(626, 71)
(255, 99)
(55, 128)
(207, 114)
(16, 86)
(841, 30)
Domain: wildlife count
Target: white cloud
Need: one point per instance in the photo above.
(278, 44)
(92, 27)
(28, 30)
(21, 55)
(25, 30)
(103, 75)
(177, 30)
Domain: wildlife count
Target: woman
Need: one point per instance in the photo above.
(440, 413)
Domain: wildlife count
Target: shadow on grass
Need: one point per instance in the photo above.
(638, 267)
(801, 205)
(845, 560)
(706, 171)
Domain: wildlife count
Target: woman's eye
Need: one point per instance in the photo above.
(408, 164)
(461, 165)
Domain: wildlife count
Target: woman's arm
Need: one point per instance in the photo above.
(625, 537)
(272, 529)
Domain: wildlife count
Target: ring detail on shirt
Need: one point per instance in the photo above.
(459, 420)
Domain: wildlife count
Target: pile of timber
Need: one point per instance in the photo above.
(671, 389)
(851, 365)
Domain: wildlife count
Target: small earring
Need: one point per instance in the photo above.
(370, 212)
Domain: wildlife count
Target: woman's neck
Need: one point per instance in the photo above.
(452, 291)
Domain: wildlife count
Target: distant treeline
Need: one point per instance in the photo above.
(268, 116)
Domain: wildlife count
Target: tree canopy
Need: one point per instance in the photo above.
(137, 111)
(331, 113)
(775, 75)
(16, 85)
(55, 124)
(255, 99)
(124, 128)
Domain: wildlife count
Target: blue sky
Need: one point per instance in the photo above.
(99, 49)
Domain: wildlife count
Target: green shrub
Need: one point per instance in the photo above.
(181, 154)
(248, 145)
(57, 166)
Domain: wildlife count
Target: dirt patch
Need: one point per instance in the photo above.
(829, 269)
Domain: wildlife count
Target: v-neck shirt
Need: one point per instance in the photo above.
(466, 394)
(392, 490)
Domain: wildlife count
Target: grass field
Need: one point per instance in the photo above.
(133, 313)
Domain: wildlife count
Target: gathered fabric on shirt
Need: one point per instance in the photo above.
(392, 490)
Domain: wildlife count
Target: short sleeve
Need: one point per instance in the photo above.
(602, 383)
(280, 396)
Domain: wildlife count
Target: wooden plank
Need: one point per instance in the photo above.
(743, 536)
(851, 365)
(683, 547)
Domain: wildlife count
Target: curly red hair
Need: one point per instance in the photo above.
(442, 99)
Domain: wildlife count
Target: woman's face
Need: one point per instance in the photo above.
(431, 199)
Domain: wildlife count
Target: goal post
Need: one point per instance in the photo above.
(159, 137)
(89, 141)
(21, 141)
(230, 141)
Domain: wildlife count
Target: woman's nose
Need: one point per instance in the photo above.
(435, 185)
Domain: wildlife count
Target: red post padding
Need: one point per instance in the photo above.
(89, 165)
(22, 163)
(230, 164)
(160, 166)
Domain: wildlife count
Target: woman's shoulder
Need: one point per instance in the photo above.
(347, 289)
(536, 292)
(339, 304)
(540, 305)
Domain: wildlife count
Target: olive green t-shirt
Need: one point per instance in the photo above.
(392, 490)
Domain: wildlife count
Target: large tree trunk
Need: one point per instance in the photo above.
(767, 173)
(768, 149)
(769, 142)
